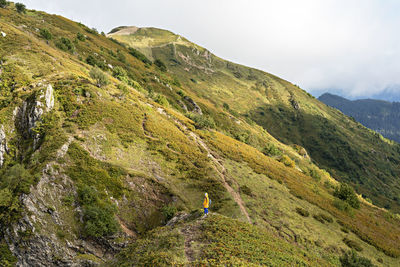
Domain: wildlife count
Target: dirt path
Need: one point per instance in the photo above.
(217, 165)
(189, 233)
(221, 171)
(125, 228)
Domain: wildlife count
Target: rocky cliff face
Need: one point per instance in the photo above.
(32, 111)
(3, 145)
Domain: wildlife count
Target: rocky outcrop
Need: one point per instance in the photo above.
(32, 111)
(193, 105)
(3, 145)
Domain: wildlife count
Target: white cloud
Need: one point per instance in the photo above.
(350, 45)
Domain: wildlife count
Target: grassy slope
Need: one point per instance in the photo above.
(349, 151)
(141, 156)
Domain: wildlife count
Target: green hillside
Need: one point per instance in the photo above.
(106, 152)
(349, 151)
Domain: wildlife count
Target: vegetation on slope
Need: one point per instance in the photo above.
(380, 116)
(349, 151)
(128, 156)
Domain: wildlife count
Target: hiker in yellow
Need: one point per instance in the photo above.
(206, 204)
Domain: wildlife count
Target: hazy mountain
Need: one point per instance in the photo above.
(380, 116)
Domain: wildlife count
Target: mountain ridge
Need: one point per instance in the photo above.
(378, 115)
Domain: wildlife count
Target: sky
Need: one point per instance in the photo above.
(348, 47)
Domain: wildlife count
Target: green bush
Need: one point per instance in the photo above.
(202, 121)
(226, 106)
(287, 161)
(80, 37)
(342, 205)
(302, 212)
(65, 44)
(314, 173)
(322, 218)
(351, 259)
(346, 193)
(352, 244)
(160, 65)
(162, 100)
(21, 8)
(98, 215)
(246, 190)
(271, 150)
(46, 34)
(169, 212)
(99, 76)
(120, 73)
(7, 259)
(99, 220)
(3, 3)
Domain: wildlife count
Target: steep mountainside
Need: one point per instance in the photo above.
(106, 154)
(349, 151)
(380, 116)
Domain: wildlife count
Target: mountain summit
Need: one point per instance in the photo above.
(107, 146)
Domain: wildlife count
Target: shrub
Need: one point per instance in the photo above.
(98, 215)
(352, 244)
(351, 259)
(346, 193)
(302, 212)
(80, 37)
(287, 161)
(271, 150)
(65, 44)
(21, 8)
(160, 65)
(46, 34)
(323, 218)
(226, 106)
(202, 121)
(246, 190)
(169, 212)
(342, 205)
(120, 73)
(6, 256)
(3, 3)
(162, 100)
(99, 76)
(99, 220)
(314, 173)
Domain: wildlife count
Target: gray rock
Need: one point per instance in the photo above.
(32, 111)
(3, 145)
(196, 107)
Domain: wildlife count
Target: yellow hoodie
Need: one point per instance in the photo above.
(206, 201)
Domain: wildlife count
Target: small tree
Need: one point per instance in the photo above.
(3, 3)
(99, 76)
(21, 8)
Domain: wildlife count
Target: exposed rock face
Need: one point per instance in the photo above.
(49, 97)
(194, 105)
(3, 145)
(31, 112)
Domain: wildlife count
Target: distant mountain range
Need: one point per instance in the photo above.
(378, 115)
